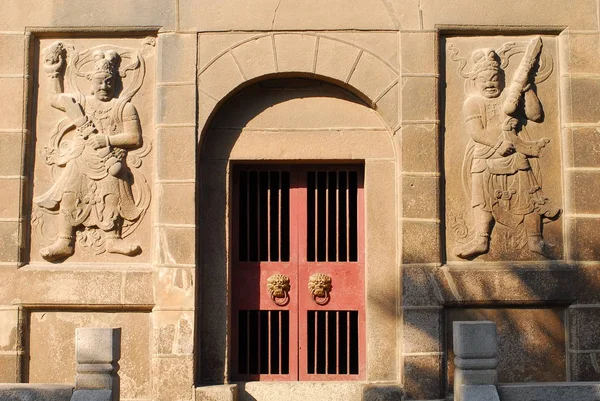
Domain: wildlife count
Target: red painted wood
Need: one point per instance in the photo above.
(249, 280)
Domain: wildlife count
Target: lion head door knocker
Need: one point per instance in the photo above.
(279, 286)
(319, 285)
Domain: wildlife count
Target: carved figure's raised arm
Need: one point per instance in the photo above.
(54, 66)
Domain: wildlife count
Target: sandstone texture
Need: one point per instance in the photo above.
(474, 127)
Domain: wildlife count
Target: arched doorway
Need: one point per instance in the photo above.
(296, 122)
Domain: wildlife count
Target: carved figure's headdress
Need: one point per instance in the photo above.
(106, 64)
(485, 60)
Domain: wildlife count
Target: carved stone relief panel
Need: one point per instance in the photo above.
(93, 138)
(502, 151)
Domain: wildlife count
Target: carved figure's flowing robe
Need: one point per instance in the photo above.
(506, 186)
(86, 174)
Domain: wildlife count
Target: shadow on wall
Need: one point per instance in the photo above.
(544, 313)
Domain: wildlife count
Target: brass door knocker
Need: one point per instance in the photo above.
(319, 285)
(279, 286)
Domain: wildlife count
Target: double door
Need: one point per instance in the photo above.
(297, 277)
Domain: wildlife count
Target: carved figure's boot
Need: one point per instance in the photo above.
(62, 248)
(477, 246)
(115, 244)
(537, 245)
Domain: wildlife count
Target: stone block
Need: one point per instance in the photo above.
(584, 323)
(585, 99)
(423, 286)
(383, 392)
(52, 347)
(177, 57)
(583, 238)
(10, 198)
(136, 288)
(493, 13)
(256, 57)
(11, 153)
(92, 395)
(176, 153)
(585, 147)
(10, 242)
(176, 104)
(9, 329)
(111, 13)
(97, 345)
(422, 330)
(475, 340)
(530, 342)
(174, 287)
(35, 392)
(206, 106)
(173, 332)
(173, 378)
(271, 15)
(583, 53)
(550, 391)
(224, 392)
(335, 59)
(11, 99)
(295, 52)
(420, 242)
(176, 245)
(388, 107)
(12, 57)
(418, 52)
(384, 45)
(420, 148)
(176, 203)
(584, 192)
(582, 366)
(372, 77)
(213, 44)
(422, 377)
(480, 393)
(301, 391)
(420, 197)
(10, 368)
(419, 99)
(70, 287)
(220, 77)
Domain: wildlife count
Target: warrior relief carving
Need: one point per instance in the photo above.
(501, 175)
(99, 194)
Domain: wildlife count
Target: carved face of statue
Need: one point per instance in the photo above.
(489, 83)
(103, 87)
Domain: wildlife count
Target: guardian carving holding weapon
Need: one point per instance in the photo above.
(501, 159)
(89, 149)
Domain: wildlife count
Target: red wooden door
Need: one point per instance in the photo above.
(297, 273)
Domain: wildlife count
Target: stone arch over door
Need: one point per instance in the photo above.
(356, 68)
(294, 119)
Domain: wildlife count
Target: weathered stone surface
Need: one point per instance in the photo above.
(550, 391)
(298, 391)
(55, 362)
(224, 392)
(531, 342)
(382, 393)
(35, 392)
(422, 379)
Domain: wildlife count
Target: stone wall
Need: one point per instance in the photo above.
(137, 236)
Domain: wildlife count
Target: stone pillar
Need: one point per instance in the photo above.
(476, 350)
(98, 351)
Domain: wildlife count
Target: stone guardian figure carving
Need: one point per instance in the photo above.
(500, 167)
(91, 150)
